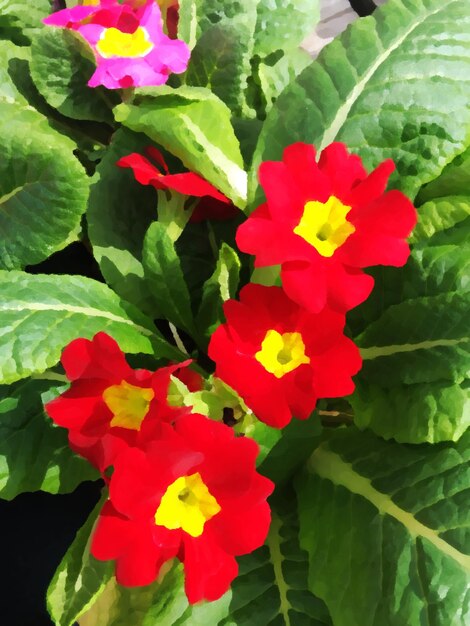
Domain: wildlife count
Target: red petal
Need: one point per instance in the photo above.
(145, 173)
(306, 283)
(241, 532)
(343, 169)
(284, 198)
(371, 187)
(209, 570)
(300, 160)
(112, 534)
(99, 358)
(334, 369)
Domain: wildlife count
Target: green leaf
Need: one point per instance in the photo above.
(21, 19)
(389, 86)
(453, 181)
(221, 286)
(283, 24)
(40, 315)
(120, 210)
(34, 454)
(414, 339)
(220, 61)
(221, 58)
(162, 603)
(43, 188)
(79, 579)
(440, 215)
(387, 530)
(272, 583)
(194, 125)
(61, 72)
(298, 440)
(418, 350)
(165, 278)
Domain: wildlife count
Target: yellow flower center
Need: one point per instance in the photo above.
(281, 354)
(324, 225)
(115, 43)
(187, 504)
(92, 3)
(128, 404)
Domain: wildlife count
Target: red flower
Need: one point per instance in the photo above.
(213, 204)
(281, 358)
(109, 406)
(193, 494)
(323, 222)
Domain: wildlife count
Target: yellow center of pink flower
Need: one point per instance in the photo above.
(281, 354)
(115, 43)
(128, 404)
(324, 225)
(187, 504)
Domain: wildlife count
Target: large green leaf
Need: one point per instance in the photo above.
(61, 72)
(221, 58)
(79, 579)
(413, 385)
(40, 315)
(43, 188)
(120, 210)
(194, 125)
(387, 530)
(165, 278)
(220, 61)
(34, 454)
(390, 86)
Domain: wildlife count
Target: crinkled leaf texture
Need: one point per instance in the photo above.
(40, 315)
(34, 454)
(390, 86)
(194, 125)
(43, 188)
(61, 72)
(387, 530)
(414, 384)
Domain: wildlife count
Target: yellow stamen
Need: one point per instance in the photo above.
(128, 404)
(115, 43)
(324, 225)
(281, 354)
(187, 504)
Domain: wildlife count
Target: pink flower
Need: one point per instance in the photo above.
(130, 47)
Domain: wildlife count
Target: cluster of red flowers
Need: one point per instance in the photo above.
(182, 485)
(323, 222)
